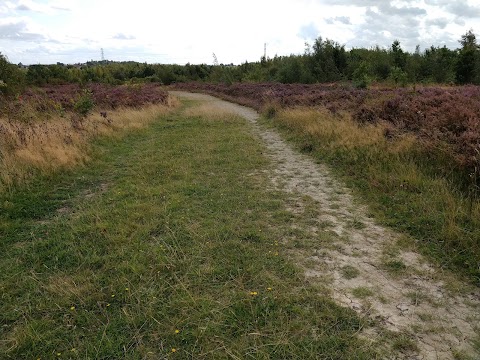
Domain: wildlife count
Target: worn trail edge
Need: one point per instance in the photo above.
(436, 310)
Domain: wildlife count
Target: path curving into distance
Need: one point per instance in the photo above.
(438, 312)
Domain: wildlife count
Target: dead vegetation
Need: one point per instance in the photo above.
(44, 146)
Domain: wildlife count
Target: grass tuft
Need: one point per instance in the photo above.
(362, 292)
(350, 272)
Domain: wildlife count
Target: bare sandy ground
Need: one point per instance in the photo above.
(364, 267)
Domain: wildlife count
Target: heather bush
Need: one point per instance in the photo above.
(60, 99)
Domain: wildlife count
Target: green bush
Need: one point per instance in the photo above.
(84, 103)
(12, 79)
(399, 76)
(361, 80)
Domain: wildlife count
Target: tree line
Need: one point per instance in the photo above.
(323, 61)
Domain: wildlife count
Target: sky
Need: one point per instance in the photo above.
(182, 31)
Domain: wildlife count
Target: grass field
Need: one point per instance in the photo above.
(166, 245)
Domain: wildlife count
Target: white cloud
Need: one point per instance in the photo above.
(122, 36)
(190, 31)
(441, 22)
(22, 7)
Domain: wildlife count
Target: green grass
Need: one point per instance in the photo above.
(395, 267)
(165, 246)
(362, 292)
(350, 272)
(401, 182)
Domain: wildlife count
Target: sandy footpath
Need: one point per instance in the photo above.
(365, 268)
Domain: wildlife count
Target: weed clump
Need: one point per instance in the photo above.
(270, 110)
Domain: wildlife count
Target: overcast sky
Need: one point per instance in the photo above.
(181, 31)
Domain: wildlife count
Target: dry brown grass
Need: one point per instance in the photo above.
(341, 131)
(71, 289)
(211, 112)
(49, 145)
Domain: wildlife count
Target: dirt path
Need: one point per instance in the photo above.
(364, 265)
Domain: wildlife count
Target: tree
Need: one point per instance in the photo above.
(360, 76)
(12, 78)
(381, 63)
(399, 57)
(469, 40)
(467, 59)
(327, 60)
(398, 76)
(293, 70)
(438, 65)
(412, 67)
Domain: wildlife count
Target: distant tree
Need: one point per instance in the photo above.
(166, 75)
(476, 80)
(355, 57)
(398, 76)
(118, 73)
(327, 60)
(412, 68)
(74, 74)
(58, 74)
(12, 78)
(381, 63)
(148, 70)
(468, 40)
(361, 78)
(263, 61)
(467, 59)
(294, 70)
(399, 57)
(438, 65)
(38, 75)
